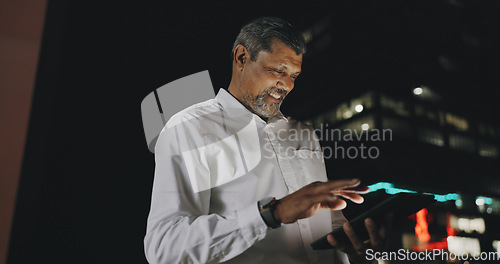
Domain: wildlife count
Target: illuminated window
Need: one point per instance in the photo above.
(348, 110)
(342, 112)
(457, 122)
(431, 136)
(355, 106)
(361, 124)
(464, 245)
(425, 93)
(462, 143)
(366, 100)
(468, 224)
(396, 106)
(496, 246)
(347, 114)
(487, 150)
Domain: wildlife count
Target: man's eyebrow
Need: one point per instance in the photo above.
(286, 67)
(282, 65)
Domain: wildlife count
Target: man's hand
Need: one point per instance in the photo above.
(307, 201)
(356, 250)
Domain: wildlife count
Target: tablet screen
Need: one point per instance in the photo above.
(402, 205)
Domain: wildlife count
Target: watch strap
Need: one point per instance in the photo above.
(266, 208)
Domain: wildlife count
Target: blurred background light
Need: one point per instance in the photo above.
(483, 200)
(359, 108)
(347, 114)
(417, 91)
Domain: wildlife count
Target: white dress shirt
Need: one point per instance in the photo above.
(214, 161)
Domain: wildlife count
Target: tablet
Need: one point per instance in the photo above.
(402, 204)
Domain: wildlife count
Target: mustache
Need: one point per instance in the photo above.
(275, 90)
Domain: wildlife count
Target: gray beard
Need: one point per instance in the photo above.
(260, 107)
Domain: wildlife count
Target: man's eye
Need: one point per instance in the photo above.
(278, 71)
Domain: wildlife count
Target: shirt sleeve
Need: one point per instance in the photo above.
(180, 227)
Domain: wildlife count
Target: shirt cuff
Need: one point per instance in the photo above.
(251, 223)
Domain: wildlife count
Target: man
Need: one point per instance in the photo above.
(236, 181)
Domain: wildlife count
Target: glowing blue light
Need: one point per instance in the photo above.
(398, 190)
(390, 189)
(487, 200)
(380, 185)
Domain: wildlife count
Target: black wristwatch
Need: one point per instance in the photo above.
(266, 208)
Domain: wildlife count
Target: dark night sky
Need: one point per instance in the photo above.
(87, 172)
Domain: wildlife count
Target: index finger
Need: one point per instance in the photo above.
(338, 185)
(358, 189)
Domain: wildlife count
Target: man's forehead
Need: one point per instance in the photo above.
(282, 55)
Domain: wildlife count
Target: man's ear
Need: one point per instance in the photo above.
(241, 57)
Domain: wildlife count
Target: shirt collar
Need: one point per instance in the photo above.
(233, 107)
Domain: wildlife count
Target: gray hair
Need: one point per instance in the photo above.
(260, 33)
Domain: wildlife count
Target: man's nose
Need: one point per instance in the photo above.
(286, 83)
